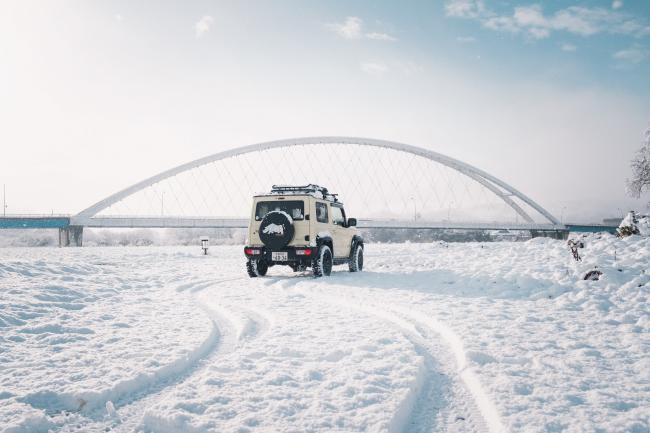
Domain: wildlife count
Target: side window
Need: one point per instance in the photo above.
(321, 213)
(337, 216)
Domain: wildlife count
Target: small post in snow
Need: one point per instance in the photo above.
(204, 245)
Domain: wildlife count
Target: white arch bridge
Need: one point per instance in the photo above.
(384, 184)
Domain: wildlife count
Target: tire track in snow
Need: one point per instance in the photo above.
(468, 409)
(480, 403)
(128, 399)
(130, 390)
(245, 326)
(126, 391)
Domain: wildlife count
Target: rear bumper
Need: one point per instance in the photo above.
(293, 254)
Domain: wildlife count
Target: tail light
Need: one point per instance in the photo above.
(251, 251)
(306, 252)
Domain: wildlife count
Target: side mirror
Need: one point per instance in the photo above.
(352, 222)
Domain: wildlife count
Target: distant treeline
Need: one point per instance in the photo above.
(447, 235)
(146, 237)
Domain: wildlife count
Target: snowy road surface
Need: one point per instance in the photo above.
(429, 338)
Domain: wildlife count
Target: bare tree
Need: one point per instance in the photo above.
(640, 181)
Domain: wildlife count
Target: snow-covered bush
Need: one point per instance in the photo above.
(640, 181)
(634, 224)
(628, 226)
(574, 244)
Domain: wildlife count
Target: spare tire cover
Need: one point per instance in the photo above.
(276, 230)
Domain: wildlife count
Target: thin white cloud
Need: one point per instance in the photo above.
(380, 36)
(568, 47)
(617, 4)
(465, 39)
(465, 8)
(352, 28)
(203, 25)
(502, 24)
(118, 17)
(532, 22)
(530, 16)
(634, 54)
(349, 29)
(375, 69)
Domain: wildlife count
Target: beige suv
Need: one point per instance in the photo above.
(301, 227)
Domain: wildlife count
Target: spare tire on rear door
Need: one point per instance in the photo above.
(276, 229)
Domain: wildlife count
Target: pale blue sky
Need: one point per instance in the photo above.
(552, 97)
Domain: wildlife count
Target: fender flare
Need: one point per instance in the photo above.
(356, 240)
(325, 240)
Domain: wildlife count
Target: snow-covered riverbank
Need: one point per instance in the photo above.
(430, 337)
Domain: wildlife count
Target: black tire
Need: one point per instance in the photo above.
(322, 263)
(356, 258)
(276, 230)
(256, 268)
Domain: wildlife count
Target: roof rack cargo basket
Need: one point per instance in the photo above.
(304, 189)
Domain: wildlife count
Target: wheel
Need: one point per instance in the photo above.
(256, 268)
(322, 263)
(356, 259)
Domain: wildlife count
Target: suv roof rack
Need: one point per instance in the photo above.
(311, 189)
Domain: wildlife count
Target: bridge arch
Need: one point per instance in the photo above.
(501, 189)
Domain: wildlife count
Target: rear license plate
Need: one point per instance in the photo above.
(279, 256)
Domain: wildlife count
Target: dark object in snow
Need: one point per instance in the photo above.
(593, 275)
(573, 246)
(460, 418)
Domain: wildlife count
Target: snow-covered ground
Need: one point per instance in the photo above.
(430, 337)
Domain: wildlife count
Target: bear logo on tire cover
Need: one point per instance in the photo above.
(276, 230)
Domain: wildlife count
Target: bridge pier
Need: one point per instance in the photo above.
(71, 236)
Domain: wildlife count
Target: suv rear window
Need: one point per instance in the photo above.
(296, 209)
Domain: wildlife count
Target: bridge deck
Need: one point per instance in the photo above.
(34, 222)
(175, 222)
